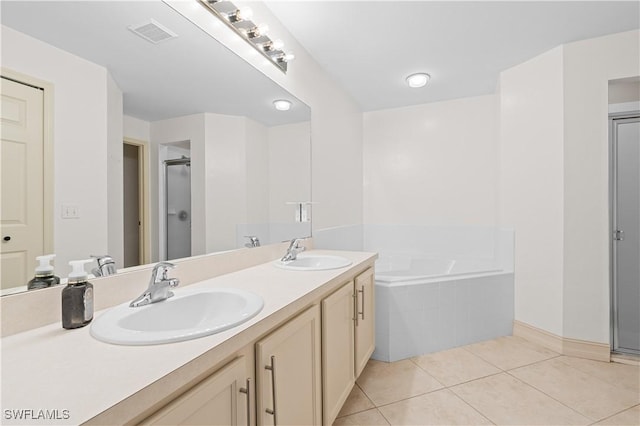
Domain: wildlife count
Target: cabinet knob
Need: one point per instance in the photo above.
(7, 238)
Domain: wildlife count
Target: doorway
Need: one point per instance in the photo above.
(625, 179)
(135, 205)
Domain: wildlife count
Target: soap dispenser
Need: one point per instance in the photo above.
(77, 297)
(44, 274)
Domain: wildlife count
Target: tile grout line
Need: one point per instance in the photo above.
(613, 415)
(546, 394)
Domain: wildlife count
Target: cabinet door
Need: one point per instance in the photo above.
(365, 319)
(221, 399)
(288, 373)
(337, 350)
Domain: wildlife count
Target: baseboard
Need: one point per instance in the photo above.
(563, 345)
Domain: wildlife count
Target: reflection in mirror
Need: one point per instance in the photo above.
(120, 112)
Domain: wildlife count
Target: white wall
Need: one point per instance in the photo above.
(531, 185)
(336, 120)
(226, 179)
(588, 67)
(115, 190)
(190, 128)
(289, 165)
(257, 166)
(554, 181)
(137, 129)
(80, 129)
(432, 164)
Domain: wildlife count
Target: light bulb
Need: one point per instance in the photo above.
(277, 44)
(418, 80)
(289, 57)
(282, 105)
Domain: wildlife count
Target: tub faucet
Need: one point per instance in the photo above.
(254, 241)
(159, 286)
(106, 266)
(293, 250)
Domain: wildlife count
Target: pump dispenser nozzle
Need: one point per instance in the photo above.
(45, 267)
(78, 274)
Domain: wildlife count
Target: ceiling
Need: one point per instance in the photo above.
(190, 74)
(369, 47)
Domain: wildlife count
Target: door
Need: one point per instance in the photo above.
(288, 373)
(337, 350)
(221, 399)
(21, 217)
(626, 234)
(364, 319)
(178, 207)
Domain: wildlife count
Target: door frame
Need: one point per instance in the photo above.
(613, 201)
(143, 197)
(48, 167)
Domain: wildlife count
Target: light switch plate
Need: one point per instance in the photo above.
(70, 211)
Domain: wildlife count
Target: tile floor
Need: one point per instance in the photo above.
(506, 381)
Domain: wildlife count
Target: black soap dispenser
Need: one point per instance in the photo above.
(77, 297)
(44, 274)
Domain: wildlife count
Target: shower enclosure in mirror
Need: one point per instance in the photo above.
(114, 86)
(177, 191)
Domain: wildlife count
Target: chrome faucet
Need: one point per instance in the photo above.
(254, 241)
(159, 286)
(293, 250)
(106, 266)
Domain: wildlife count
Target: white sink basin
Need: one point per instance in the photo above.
(188, 315)
(314, 262)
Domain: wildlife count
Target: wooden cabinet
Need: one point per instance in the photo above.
(288, 373)
(348, 340)
(304, 369)
(221, 399)
(338, 334)
(365, 341)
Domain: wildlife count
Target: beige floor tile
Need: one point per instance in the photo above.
(356, 402)
(441, 407)
(583, 392)
(510, 352)
(455, 366)
(505, 400)
(630, 417)
(366, 418)
(385, 383)
(626, 376)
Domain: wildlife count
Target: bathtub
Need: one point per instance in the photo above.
(426, 304)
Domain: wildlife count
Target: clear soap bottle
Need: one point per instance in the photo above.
(44, 274)
(77, 297)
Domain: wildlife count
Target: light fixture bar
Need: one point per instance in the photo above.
(239, 20)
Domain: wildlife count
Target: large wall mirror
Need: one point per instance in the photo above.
(162, 143)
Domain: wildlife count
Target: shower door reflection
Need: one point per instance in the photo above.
(178, 207)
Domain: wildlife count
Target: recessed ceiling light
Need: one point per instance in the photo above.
(282, 105)
(418, 79)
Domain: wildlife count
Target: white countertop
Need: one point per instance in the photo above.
(50, 368)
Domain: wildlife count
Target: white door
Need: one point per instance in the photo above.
(626, 143)
(21, 217)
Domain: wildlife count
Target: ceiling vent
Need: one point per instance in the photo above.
(153, 32)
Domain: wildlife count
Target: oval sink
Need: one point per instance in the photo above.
(314, 262)
(188, 315)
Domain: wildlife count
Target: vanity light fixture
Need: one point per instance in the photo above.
(282, 105)
(240, 21)
(418, 79)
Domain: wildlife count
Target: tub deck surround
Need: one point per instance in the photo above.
(48, 368)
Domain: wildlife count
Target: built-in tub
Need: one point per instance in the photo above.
(426, 304)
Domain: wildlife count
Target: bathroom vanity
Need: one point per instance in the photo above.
(294, 363)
